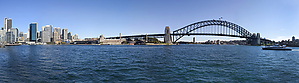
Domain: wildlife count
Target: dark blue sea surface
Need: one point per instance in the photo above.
(141, 63)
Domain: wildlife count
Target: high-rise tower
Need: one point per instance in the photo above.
(64, 34)
(7, 24)
(33, 30)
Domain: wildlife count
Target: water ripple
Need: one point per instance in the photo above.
(124, 63)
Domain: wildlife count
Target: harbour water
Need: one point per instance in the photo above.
(123, 63)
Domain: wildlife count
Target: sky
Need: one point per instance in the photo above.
(273, 19)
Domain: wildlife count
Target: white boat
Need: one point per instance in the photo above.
(276, 47)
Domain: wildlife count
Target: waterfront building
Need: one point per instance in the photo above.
(25, 38)
(47, 33)
(58, 30)
(10, 36)
(15, 34)
(293, 39)
(69, 36)
(33, 34)
(2, 35)
(64, 34)
(56, 36)
(75, 37)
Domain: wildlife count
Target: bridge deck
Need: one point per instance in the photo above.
(162, 35)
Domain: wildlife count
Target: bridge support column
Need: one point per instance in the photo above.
(167, 37)
(254, 39)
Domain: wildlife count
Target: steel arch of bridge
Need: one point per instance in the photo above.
(217, 27)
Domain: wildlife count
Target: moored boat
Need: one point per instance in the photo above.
(12, 44)
(276, 47)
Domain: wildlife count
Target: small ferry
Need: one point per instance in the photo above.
(277, 47)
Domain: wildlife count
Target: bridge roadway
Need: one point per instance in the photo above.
(207, 27)
(162, 36)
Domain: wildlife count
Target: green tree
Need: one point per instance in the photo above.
(152, 40)
(124, 42)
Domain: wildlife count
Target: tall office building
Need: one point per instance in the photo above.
(15, 34)
(7, 24)
(58, 30)
(11, 35)
(55, 36)
(33, 34)
(47, 33)
(64, 34)
(69, 36)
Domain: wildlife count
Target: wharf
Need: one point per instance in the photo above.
(12, 44)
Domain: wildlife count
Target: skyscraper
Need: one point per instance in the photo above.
(69, 36)
(47, 33)
(7, 24)
(58, 30)
(64, 34)
(33, 34)
(15, 34)
(55, 36)
(10, 37)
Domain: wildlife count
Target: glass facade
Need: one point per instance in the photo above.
(33, 34)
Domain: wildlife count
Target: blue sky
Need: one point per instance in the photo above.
(274, 19)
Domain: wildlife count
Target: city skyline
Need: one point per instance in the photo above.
(276, 20)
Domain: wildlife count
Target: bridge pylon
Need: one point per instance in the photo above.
(254, 40)
(167, 37)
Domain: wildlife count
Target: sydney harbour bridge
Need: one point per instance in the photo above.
(207, 27)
